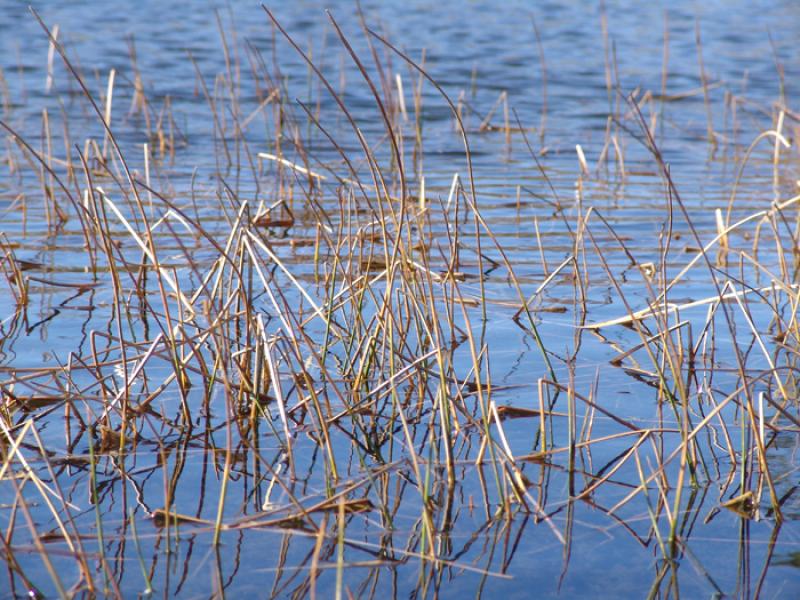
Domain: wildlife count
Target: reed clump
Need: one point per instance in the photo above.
(304, 344)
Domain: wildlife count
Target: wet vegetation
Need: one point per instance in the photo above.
(329, 370)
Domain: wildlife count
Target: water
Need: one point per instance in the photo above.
(475, 53)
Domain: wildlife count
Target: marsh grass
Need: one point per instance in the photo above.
(314, 356)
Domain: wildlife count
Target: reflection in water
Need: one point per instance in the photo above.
(275, 332)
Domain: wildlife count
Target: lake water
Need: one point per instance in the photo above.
(577, 534)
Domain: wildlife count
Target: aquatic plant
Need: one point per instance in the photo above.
(301, 348)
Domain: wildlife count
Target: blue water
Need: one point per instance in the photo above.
(476, 52)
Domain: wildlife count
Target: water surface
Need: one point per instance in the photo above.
(593, 59)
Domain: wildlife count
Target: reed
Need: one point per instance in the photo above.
(304, 341)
